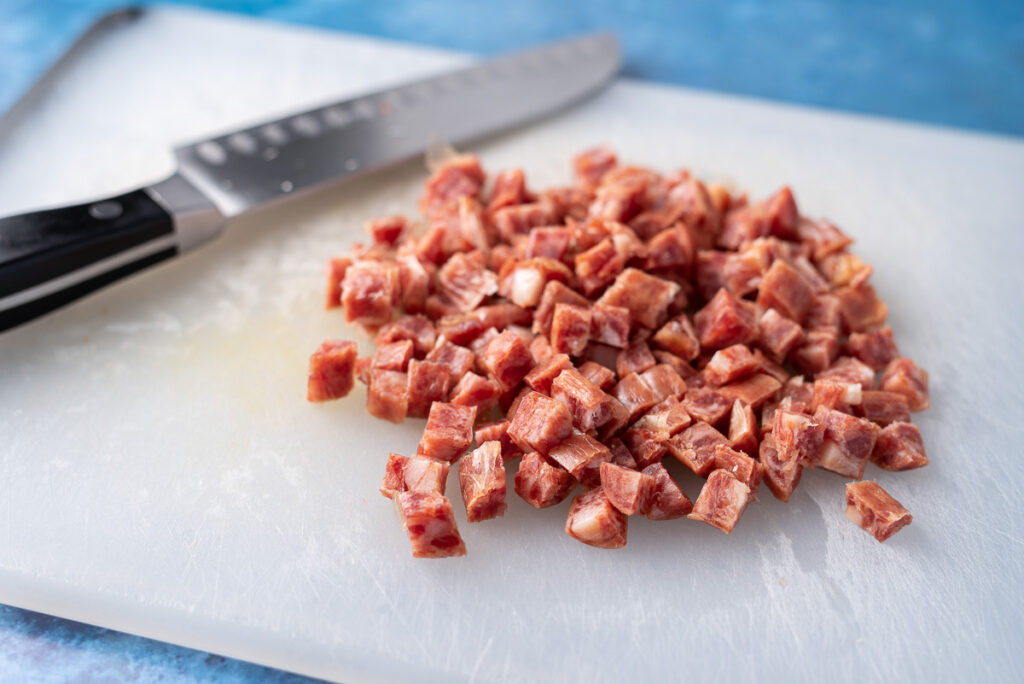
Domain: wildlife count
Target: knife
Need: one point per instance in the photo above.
(51, 257)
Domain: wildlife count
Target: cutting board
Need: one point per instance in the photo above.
(163, 474)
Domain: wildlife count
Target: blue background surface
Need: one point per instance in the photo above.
(951, 63)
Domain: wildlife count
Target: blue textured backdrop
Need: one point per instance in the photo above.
(953, 63)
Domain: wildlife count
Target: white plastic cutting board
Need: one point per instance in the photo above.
(162, 473)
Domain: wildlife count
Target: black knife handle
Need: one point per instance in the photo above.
(51, 257)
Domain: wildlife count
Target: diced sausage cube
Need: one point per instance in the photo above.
(679, 336)
(525, 281)
(419, 329)
(672, 248)
(903, 376)
(460, 329)
(603, 377)
(636, 358)
(817, 352)
(475, 390)
(784, 289)
(509, 189)
(739, 465)
(520, 218)
(722, 500)
(667, 501)
(694, 447)
(872, 509)
(448, 433)
(598, 266)
(849, 370)
(430, 524)
(582, 456)
(428, 382)
(682, 369)
(497, 431)
(724, 321)
(610, 325)
(899, 447)
(777, 334)
(797, 437)
(458, 176)
(506, 359)
(539, 423)
(646, 445)
(370, 292)
(387, 396)
(876, 349)
(570, 329)
(781, 476)
(708, 405)
(482, 480)
(636, 395)
(541, 484)
(836, 394)
(664, 381)
(647, 297)
(823, 237)
(590, 167)
(667, 416)
(550, 242)
(459, 360)
(413, 474)
(331, 370)
(554, 293)
(861, 308)
(848, 442)
(588, 405)
(543, 374)
(386, 230)
(335, 274)
(743, 430)
(593, 520)
(466, 281)
(628, 490)
(753, 391)
(540, 349)
(884, 408)
(620, 454)
(730, 364)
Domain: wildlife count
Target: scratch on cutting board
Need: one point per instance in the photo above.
(985, 525)
(480, 659)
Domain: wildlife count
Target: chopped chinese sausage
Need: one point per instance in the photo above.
(708, 405)
(598, 266)
(636, 395)
(672, 248)
(849, 370)
(506, 359)
(876, 349)
(694, 447)
(430, 524)
(603, 377)
(754, 391)
(668, 416)
(797, 437)
(743, 430)
(459, 360)
(482, 481)
(724, 321)
(817, 352)
(331, 371)
(335, 273)
(466, 281)
(646, 445)
(848, 442)
(525, 280)
(682, 369)
(540, 423)
(903, 376)
(509, 189)
(730, 364)
(554, 293)
(369, 292)
(872, 509)
(448, 433)
(667, 501)
(570, 329)
(823, 237)
(739, 465)
(458, 176)
(497, 431)
(636, 358)
(665, 382)
(428, 382)
(899, 447)
(836, 394)
(418, 329)
(722, 500)
(647, 297)
(386, 230)
(589, 406)
(884, 408)
(628, 490)
(543, 374)
(387, 396)
(475, 390)
(550, 242)
(593, 520)
(521, 218)
(393, 356)
(781, 476)
(777, 334)
(413, 474)
(591, 166)
(860, 307)
(582, 456)
(610, 325)
(679, 337)
(784, 289)
(541, 484)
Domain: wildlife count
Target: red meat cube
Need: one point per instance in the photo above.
(588, 405)
(620, 454)
(459, 360)
(682, 369)
(668, 417)
(844, 269)
(370, 292)
(428, 520)
(708, 405)
(797, 437)
(724, 321)
(475, 390)
(460, 328)
(331, 370)
(861, 308)
(818, 351)
(387, 230)
(497, 431)
(823, 237)
(543, 374)
(387, 396)
(415, 474)
(848, 442)
(525, 280)
(506, 359)
(884, 408)
(539, 423)
(593, 520)
(521, 218)
(636, 358)
(598, 266)
(851, 371)
(730, 364)
(459, 176)
(665, 382)
(482, 480)
(743, 430)
(903, 376)
(876, 349)
(335, 274)
(570, 329)
(582, 456)
(610, 325)
(694, 447)
(739, 465)
(722, 500)
(871, 508)
(554, 293)
(552, 242)
(899, 447)
(418, 329)
(627, 490)
(541, 484)
(603, 377)
(781, 476)
(466, 281)
(393, 356)
(448, 433)
(672, 248)
(647, 297)
(784, 289)
(428, 382)
(591, 166)
(509, 189)
(836, 394)
(679, 336)
(635, 395)
(777, 334)
(667, 501)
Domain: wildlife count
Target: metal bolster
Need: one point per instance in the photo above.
(196, 219)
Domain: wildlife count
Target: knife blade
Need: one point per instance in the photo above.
(51, 257)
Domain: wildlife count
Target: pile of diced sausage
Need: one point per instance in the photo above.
(581, 335)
